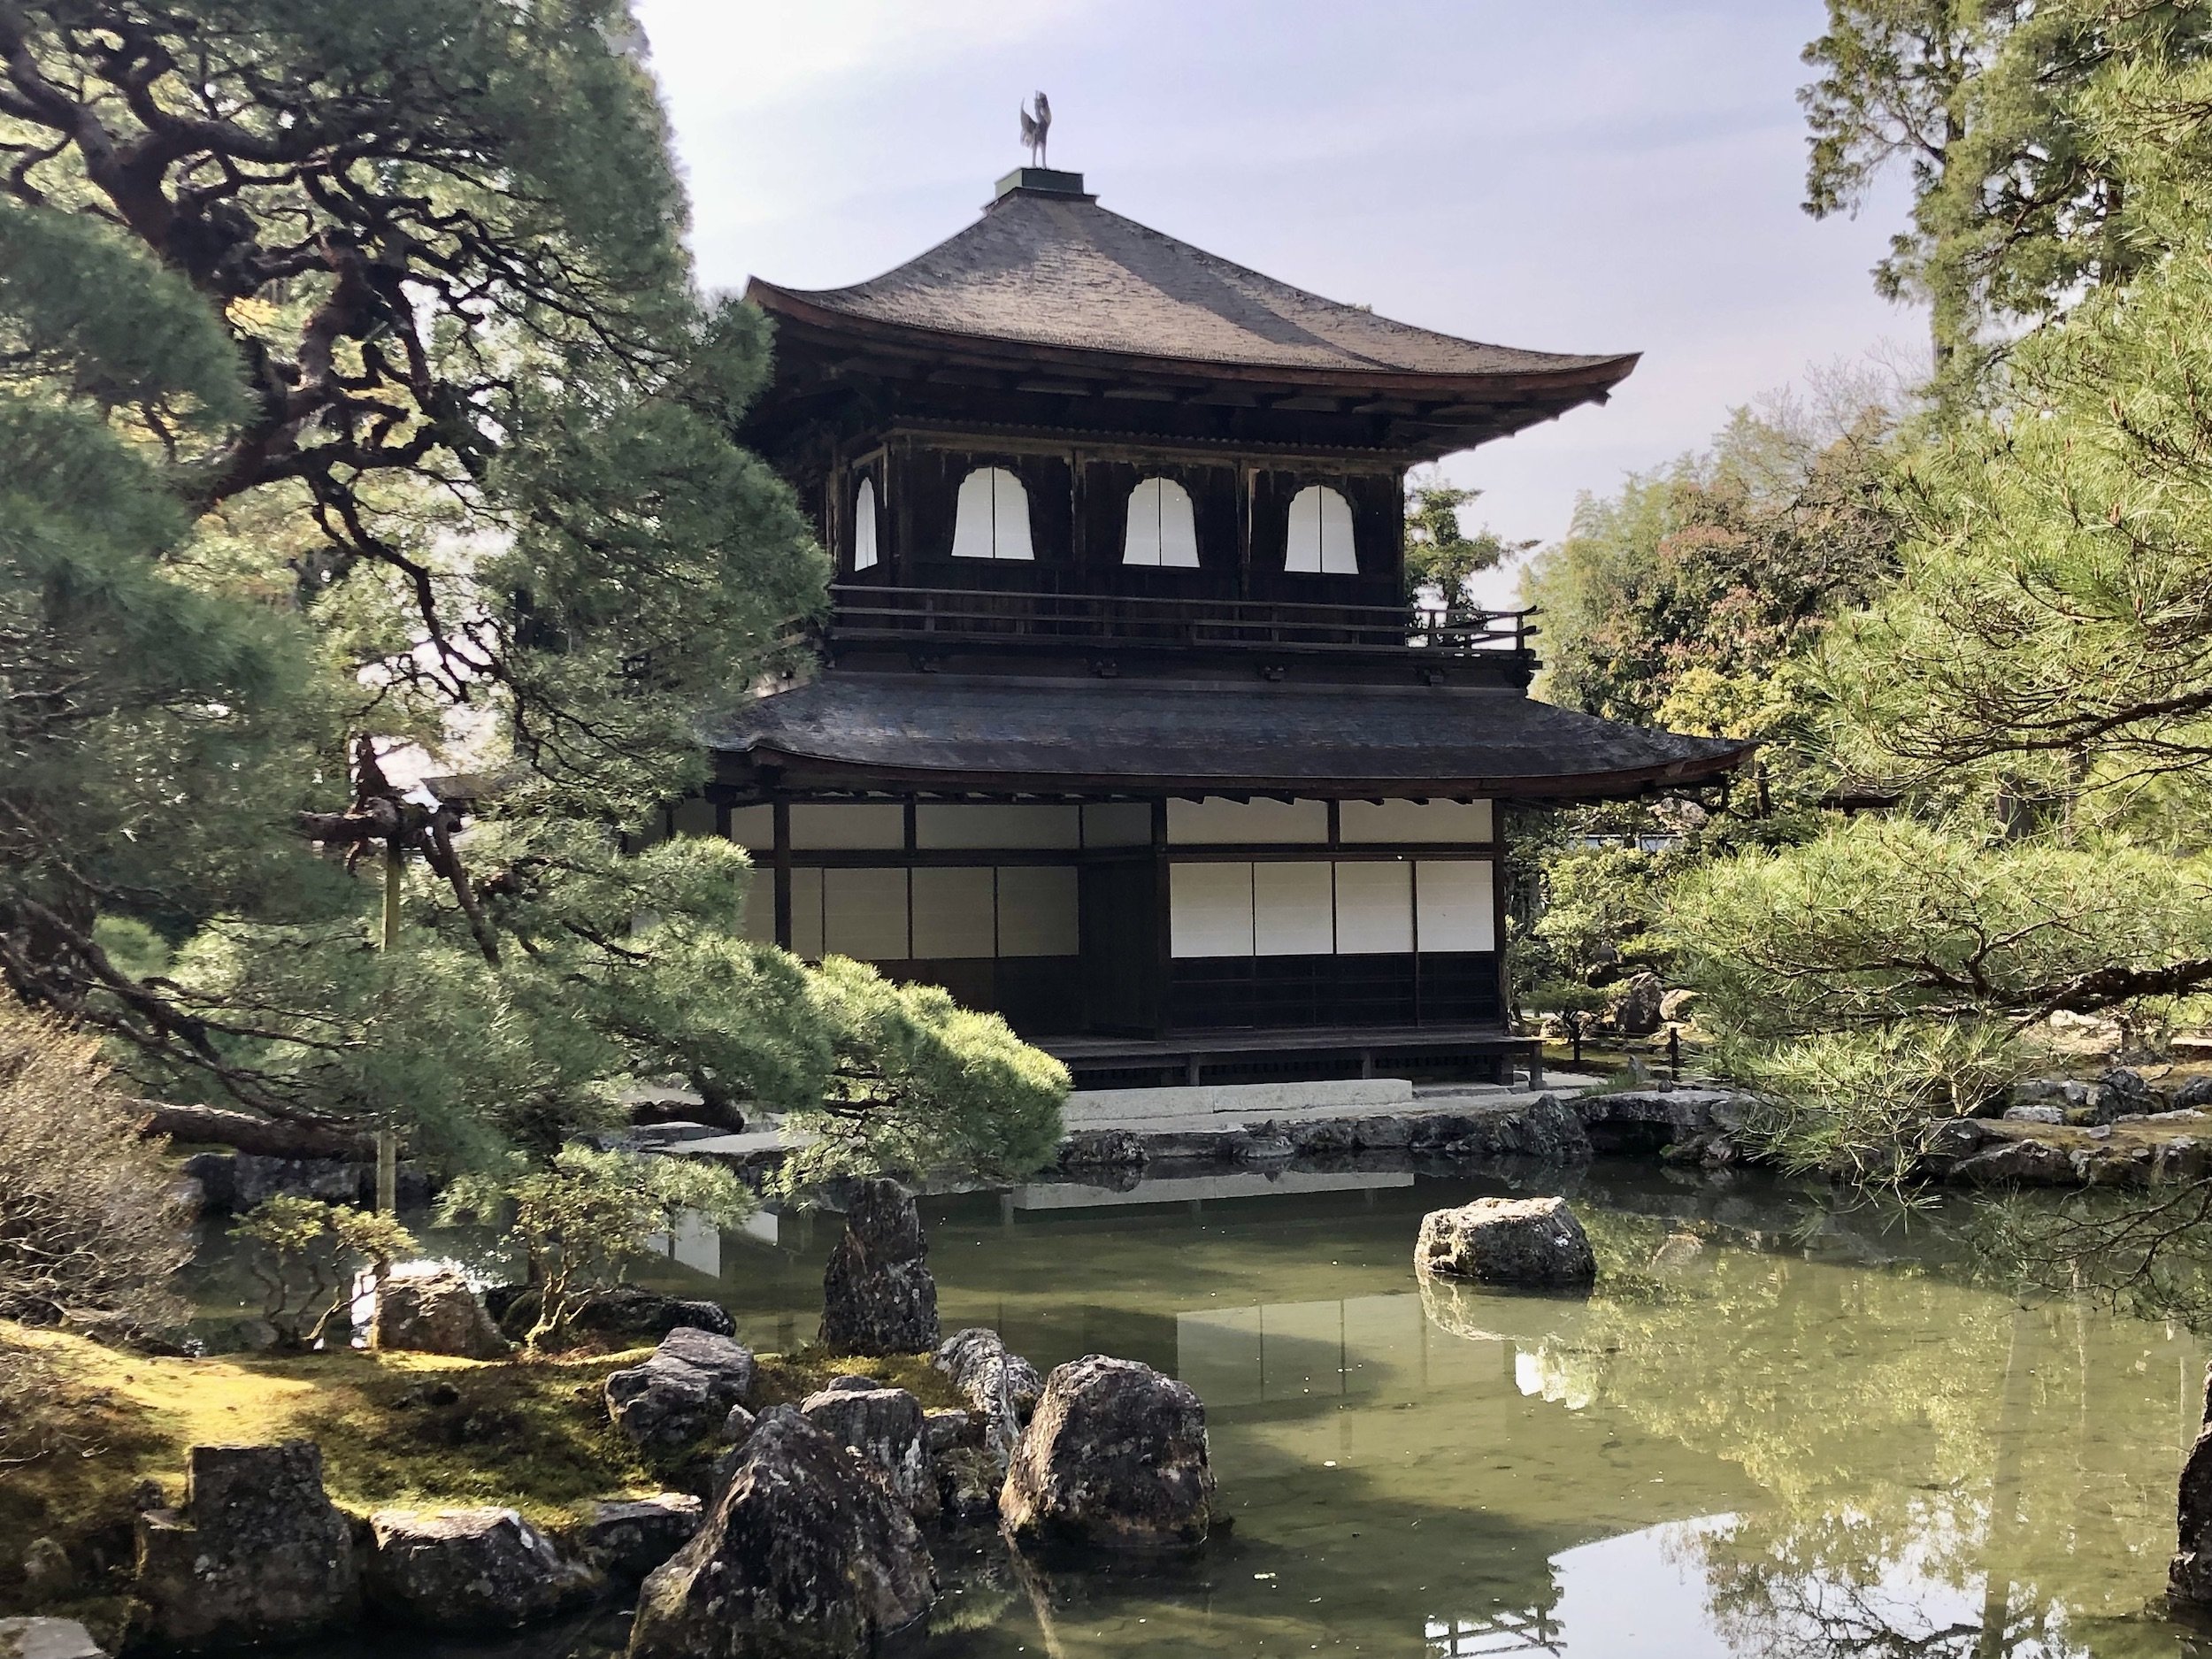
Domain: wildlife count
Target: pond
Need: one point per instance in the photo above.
(1780, 1427)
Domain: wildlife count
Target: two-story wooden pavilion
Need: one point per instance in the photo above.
(1123, 727)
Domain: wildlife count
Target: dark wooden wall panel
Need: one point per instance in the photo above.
(1293, 993)
(1120, 924)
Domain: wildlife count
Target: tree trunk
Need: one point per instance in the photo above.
(268, 1136)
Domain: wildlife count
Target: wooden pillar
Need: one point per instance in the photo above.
(1250, 479)
(780, 813)
(1079, 544)
(1163, 927)
(1413, 894)
(1498, 912)
(900, 514)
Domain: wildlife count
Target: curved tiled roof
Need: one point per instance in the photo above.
(1050, 269)
(1045, 734)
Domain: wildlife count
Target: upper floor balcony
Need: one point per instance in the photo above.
(940, 619)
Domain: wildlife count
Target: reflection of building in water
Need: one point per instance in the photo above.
(1357, 1345)
(1564, 1376)
(1298, 1349)
(1504, 1632)
(1198, 1188)
(697, 1242)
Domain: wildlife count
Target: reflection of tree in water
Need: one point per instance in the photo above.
(1949, 1473)
(1809, 1590)
(1789, 1615)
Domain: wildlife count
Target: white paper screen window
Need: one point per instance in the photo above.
(1162, 528)
(865, 525)
(806, 914)
(1293, 910)
(754, 828)
(955, 914)
(871, 825)
(1037, 910)
(863, 914)
(1374, 909)
(939, 827)
(1219, 821)
(1210, 909)
(758, 922)
(1370, 822)
(1452, 908)
(1320, 539)
(1118, 823)
(991, 518)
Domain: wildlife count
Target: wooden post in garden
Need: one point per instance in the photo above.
(387, 1135)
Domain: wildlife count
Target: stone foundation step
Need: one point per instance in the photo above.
(1099, 1108)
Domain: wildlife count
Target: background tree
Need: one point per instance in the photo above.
(1439, 554)
(358, 401)
(578, 1220)
(2019, 205)
(1692, 599)
(2029, 696)
(1696, 586)
(91, 1225)
(307, 1256)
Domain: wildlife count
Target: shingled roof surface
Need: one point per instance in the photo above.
(1039, 735)
(1057, 269)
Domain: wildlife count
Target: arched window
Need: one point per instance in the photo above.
(991, 520)
(1162, 530)
(1320, 541)
(865, 525)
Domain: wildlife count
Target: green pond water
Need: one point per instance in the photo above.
(1806, 1434)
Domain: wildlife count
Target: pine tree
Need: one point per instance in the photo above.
(358, 394)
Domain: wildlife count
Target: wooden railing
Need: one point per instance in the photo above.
(917, 615)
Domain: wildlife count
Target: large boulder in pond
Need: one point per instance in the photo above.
(469, 1569)
(802, 1556)
(1001, 1385)
(683, 1390)
(629, 1537)
(884, 1428)
(878, 1296)
(2189, 1576)
(1114, 1458)
(256, 1554)
(432, 1313)
(1529, 1241)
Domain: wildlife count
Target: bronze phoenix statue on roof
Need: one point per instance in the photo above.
(1034, 128)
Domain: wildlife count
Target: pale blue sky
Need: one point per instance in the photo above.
(1600, 175)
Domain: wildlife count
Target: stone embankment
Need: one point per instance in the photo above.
(1263, 1124)
(2150, 1150)
(2116, 1131)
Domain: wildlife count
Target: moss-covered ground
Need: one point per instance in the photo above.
(397, 1430)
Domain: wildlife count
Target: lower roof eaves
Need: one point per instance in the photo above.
(854, 730)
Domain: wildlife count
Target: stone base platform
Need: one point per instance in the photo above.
(1218, 1107)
